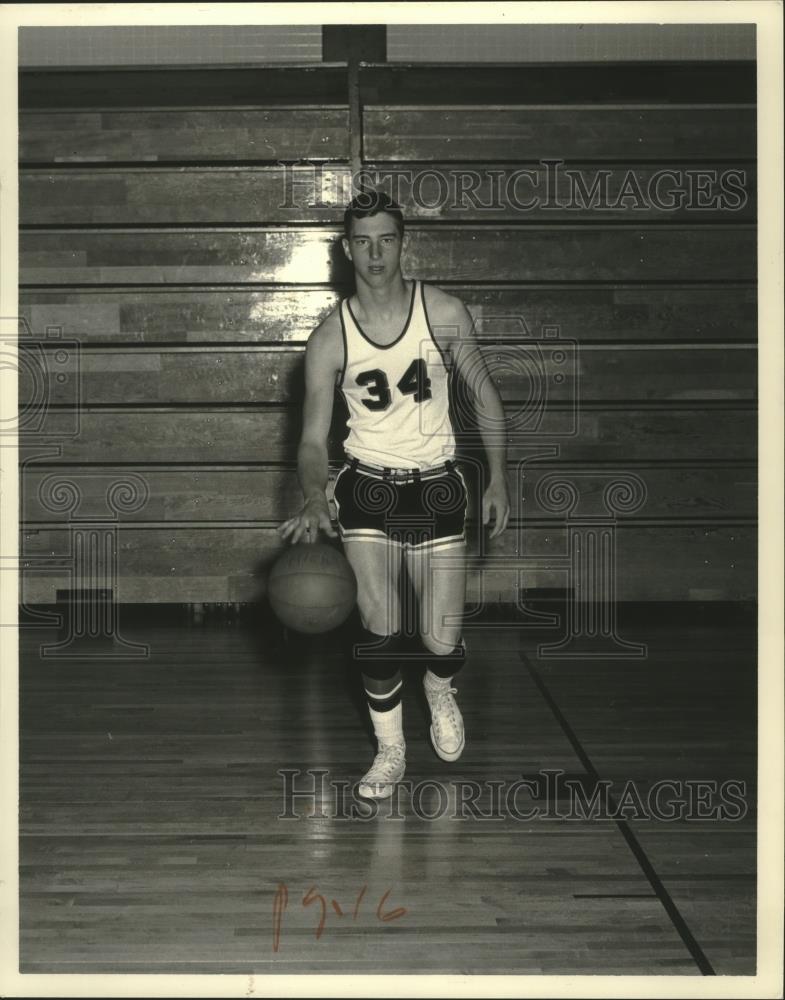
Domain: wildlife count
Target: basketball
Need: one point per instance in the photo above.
(312, 588)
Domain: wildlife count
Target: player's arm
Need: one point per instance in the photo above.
(321, 367)
(454, 329)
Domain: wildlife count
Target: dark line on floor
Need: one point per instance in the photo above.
(614, 895)
(623, 826)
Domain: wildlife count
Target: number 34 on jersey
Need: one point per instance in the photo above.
(414, 382)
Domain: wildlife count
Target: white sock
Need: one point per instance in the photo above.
(435, 681)
(388, 726)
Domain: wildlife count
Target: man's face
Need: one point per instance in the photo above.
(374, 248)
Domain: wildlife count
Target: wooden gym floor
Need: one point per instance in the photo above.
(150, 796)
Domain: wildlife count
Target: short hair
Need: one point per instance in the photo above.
(368, 203)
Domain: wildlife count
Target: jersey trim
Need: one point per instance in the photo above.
(436, 343)
(401, 335)
(345, 350)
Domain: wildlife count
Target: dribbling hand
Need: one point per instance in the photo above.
(305, 526)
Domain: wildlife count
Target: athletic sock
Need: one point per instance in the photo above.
(388, 726)
(435, 682)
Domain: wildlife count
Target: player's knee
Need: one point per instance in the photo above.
(378, 615)
(378, 659)
(441, 642)
(447, 661)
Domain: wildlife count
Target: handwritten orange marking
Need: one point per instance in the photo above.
(280, 902)
(393, 914)
(308, 899)
(359, 900)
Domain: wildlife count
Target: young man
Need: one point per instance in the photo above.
(389, 348)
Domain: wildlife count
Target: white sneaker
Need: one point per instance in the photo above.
(447, 733)
(387, 769)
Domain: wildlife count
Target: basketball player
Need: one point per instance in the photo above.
(399, 496)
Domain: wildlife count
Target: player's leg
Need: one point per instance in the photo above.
(438, 576)
(437, 568)
(376, 562)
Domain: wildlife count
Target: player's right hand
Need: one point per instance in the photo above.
(305, 526)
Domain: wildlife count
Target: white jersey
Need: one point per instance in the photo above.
(397, 394)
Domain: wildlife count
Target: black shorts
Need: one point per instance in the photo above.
(408, 507)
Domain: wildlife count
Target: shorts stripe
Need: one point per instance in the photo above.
(439, 543)
(367, 534)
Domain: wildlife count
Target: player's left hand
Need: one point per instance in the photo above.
(496, 506)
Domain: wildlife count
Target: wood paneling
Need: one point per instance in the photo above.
(625, 313)
(205, 493)
(675, 432)
(472, 193)
(667, 432)
(532, 375)
(252, 255)
(449, 254)
(160, 196)
(526, 134)
(657, 563)
(201, 493)
(588, 313)
(207, 563)
(178, 86)
(114, 375)
(259, 134)
(667, 492)
(703, 82)
(187, 316)
(170, 435)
